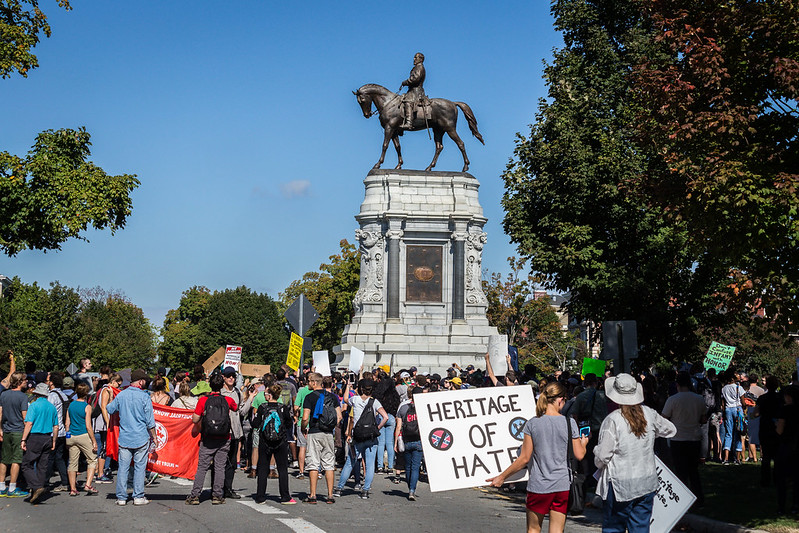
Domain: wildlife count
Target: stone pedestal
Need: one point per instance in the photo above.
(420, 300)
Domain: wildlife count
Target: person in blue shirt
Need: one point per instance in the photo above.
(38, 440)
(136, 432)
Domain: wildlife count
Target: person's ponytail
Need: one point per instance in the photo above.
(549, 395)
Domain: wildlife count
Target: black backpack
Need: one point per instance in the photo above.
(272, 424)
(705, 389)
(216, 417)
(366, 426)
(327, 419)
(410, 425)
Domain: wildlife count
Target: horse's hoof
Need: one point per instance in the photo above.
(376, 166)
(399, 166)
(428, 169)
(465, 168)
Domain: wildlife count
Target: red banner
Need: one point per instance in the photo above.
(177, 442)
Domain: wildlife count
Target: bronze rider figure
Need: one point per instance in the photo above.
(415, 94)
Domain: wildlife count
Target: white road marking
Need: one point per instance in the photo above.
(300, 525)
(263, 508)
(181, 481)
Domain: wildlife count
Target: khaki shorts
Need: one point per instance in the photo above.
(321, 452)
(80, 444)
(12, 447)
(302, 442)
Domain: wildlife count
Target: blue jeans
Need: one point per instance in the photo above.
(413, 463)
(366, 449)
(633, 516)
(385, 442)
(731, 435)
(139, 457)
(350, 465)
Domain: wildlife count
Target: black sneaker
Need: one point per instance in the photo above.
(232, 495)
(364, 494)
(337, 493)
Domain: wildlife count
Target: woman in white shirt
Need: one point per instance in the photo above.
(626, 459)
(731, 395)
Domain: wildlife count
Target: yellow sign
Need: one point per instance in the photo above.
(295, 352)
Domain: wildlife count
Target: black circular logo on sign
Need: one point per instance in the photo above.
(441, 439)
(516, 426)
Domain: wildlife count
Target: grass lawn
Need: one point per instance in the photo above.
(733, 494)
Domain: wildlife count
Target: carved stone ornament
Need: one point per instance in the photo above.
(372, 246)
(474, 260)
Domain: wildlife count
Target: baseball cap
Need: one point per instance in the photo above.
(456, 381)
(229, 371)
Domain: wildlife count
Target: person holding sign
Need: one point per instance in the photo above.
(626, 458)
(546, 438)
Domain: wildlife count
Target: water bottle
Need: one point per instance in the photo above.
(68, 435)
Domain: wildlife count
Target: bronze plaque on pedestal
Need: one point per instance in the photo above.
(423, 273)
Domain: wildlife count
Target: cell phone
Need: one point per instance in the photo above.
(585, 431)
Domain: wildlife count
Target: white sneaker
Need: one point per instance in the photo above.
(140, 501)
(122, 502)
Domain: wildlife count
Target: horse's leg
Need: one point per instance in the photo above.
(455, 137)
(395, 138)
(387, 134)
(438, 137)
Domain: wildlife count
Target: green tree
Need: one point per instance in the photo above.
(721, 109)
(528, 319)
(114, 332)
(40, 325)
(566, 202)
(21, 24)
(204, 321)
(331, 291)
(54, 193)
(180, 334)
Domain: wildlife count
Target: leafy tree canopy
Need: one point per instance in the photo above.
(21, 24)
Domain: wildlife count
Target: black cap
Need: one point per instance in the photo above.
(229, 371)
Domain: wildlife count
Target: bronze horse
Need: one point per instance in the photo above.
(444, 118)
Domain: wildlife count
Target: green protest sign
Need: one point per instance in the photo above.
(593, 366)
(719, 356)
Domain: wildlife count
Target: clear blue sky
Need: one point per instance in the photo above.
(239, 120)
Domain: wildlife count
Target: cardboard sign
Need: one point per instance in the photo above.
(254, 370)
(672, 500)
(232, 357)
(214, 361)
(321, 363)
(593, 366)
(497, 354)
(719, 356)
(356, 359)
(471, 435)
(294, 358)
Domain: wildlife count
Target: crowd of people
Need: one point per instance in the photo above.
(57, 425)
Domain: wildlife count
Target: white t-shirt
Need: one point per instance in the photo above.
(731, 394)
(358, 405)
(685, 410)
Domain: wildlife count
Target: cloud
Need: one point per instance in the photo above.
(295, 189)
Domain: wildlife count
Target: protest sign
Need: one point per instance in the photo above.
(294, 358)
(593, 366)
(471, 435)
(321, 363)
(498, 354)
(232, 357)
(214, 361)
(356, 359)
(177, 442)
(672, 500)
(719, 356)
(254, 370)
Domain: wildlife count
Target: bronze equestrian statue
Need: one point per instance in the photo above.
(396, 114)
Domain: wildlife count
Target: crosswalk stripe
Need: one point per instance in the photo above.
(262, 508)
(300, 525)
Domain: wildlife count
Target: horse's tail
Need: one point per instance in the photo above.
(467, 112)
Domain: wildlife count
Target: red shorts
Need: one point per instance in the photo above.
(553, 501)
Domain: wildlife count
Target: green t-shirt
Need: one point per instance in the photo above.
(301, 394)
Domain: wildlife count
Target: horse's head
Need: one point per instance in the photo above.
(365, 101)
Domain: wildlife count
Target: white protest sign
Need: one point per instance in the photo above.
(232, 357)
(356, 359)
(321, 363)
(471, 435)
(498, 354)
(672, 500)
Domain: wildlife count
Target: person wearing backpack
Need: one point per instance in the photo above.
(212, 415)
(321, 413)
(408, 429)
(58, 457)
(362, 432)
(274, 422)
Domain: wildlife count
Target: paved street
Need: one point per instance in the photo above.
(465, 510)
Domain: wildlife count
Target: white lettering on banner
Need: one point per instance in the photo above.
(672, 500)
(472, 434)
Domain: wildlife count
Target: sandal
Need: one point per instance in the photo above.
(396, 480)
(309, 500)
(330, 500)
(90, 490)
(73, 493)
